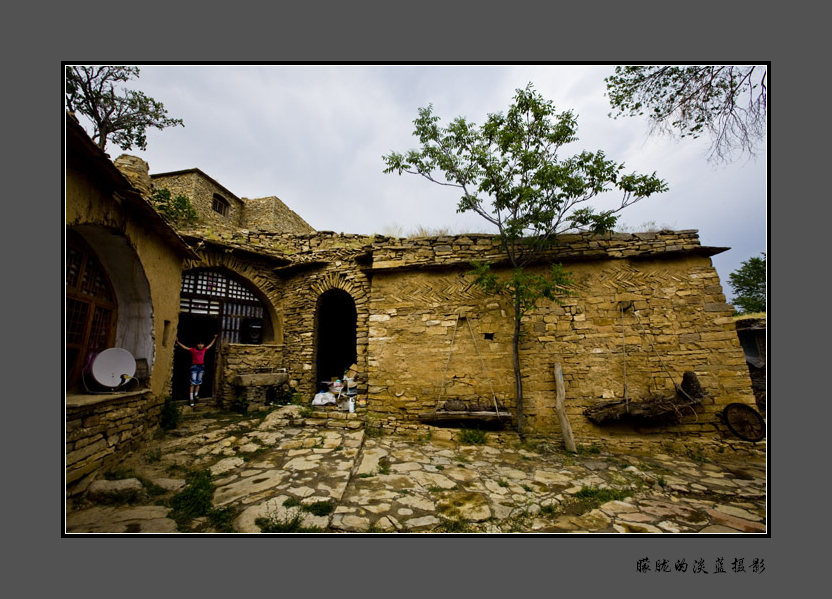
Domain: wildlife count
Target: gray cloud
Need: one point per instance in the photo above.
(314, 135)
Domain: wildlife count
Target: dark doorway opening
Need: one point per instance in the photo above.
(336, 346)
(193, 329)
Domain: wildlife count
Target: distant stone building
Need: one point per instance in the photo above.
(644, 308)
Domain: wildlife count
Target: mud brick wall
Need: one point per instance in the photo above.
(100, 431)
(238, 358)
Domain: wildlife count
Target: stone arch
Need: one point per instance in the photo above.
(335, 334)
(134, 324)
(258, 277)
(355, 285)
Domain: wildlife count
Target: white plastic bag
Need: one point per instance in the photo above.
(323, 398)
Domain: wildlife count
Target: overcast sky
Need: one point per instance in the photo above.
(314, 135)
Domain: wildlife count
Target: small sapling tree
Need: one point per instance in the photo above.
(509, 172)
(177, 210)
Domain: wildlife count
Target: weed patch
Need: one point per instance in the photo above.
(152, 489)
(221, 518)
(170, 415)
(472, 436)
(373, 432)
(253, 454)
(119, 474)
(592, 449)
(239, 404)
(455, 525)
(152, 456)
(592, 497)
(194, 500)
(288, 524)
(319, 508)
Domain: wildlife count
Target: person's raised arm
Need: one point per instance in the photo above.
(212, 341)
(182, 346)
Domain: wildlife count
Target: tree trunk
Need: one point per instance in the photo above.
(568, 439)
(518, 382)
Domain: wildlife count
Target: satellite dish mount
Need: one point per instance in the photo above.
(113, 369)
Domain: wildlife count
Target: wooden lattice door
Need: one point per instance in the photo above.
(90, 308)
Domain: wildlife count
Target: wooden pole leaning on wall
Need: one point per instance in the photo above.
(568, 438)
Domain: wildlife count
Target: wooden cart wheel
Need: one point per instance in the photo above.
(744, 421)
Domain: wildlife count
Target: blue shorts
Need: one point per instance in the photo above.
(197, 370)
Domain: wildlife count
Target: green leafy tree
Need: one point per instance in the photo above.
(508, 171)
(749, 285)
(727, 102)
(121, 117)
(177, 210)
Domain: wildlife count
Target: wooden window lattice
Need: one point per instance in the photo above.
(219, 205)
(211, 293)
(90, 307)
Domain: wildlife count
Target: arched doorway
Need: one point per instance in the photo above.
(335, 321)
(214, 303)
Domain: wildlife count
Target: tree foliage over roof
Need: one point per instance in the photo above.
(728, 102)
(121, 117)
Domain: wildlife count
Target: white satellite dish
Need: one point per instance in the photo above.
(113, 367)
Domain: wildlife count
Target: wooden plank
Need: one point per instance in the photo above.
(568, 439)
(463, 415)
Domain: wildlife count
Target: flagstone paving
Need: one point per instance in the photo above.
(279, 474)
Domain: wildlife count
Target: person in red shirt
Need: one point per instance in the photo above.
(197, 365)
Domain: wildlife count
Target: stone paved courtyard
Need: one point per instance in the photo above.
(285, 472)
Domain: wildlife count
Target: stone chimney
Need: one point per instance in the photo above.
(137, 172)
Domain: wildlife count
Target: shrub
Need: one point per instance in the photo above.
(176, 210)
(195, 499)
(170, 415)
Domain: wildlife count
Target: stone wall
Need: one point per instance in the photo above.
(676, 320)
(240, 359)
(301, 293)
(101, 430)
(430, 252)
(645, 308)
(137, 172)
(271, 214)
(414, 301)
(200, 189)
